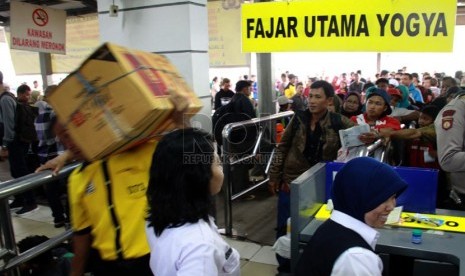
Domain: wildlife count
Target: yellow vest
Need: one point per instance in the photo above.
(114, 210)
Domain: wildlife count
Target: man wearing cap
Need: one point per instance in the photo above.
(345, 243)
(289, 92)
(450, 130)
(284, 103)
(377, 108)
(402, 114)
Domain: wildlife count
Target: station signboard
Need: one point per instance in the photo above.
(349, 26)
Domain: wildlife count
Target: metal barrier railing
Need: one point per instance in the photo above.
(8, 250)
(227, 162)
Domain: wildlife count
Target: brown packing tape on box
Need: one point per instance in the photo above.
(119, 98)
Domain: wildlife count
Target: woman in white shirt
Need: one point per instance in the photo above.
(183, 238)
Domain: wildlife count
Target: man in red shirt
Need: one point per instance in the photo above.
(377, 109)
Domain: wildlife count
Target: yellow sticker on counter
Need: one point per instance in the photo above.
(420, 221)
(341, 25)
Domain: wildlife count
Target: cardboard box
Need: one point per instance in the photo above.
(119, 98)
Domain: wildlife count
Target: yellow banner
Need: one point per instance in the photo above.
(420, 221)
(349, 26)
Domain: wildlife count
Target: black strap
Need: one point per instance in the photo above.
(111, 207)
(336, 121)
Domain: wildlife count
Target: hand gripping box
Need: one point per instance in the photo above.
(119, 98)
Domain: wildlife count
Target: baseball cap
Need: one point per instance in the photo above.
(393, 82)
(383, 94)
(394, 92)
(282, 100)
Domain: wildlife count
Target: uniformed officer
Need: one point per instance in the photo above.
(450, 130)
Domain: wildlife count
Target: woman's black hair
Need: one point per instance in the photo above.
(179, 186)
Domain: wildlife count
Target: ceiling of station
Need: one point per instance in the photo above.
(80, 7)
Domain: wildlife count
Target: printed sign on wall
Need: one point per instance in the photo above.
(224, 44)
(37, 28)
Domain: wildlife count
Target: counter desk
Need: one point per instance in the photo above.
(440, 253)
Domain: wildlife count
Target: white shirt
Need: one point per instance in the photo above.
(400, 111)
(357, 260)
(192, 249)
(436, 91)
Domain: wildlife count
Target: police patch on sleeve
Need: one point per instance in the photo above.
(447, 113)
(447, 123)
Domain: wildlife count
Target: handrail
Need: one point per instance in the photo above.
(227, 130)
(30, 181)
(37, 250)
(377, 144)
(16, 186)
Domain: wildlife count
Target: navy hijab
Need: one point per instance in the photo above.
(363, 184)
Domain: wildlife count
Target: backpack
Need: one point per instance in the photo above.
(25, 116)
(24, 122)
(222, 116)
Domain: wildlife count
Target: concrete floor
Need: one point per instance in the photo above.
(254, 219)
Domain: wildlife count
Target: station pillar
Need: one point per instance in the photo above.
(177, 29)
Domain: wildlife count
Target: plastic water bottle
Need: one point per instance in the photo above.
(417, 236)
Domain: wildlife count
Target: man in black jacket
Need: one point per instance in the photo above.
(242, 141)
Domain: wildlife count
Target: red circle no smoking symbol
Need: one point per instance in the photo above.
(40, 17)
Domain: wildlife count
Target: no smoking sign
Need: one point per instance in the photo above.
(40, 17)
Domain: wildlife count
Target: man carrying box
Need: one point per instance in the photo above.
(108, 207)
(122, 99)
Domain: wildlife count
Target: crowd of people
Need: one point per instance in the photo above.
(399, 107)
(393, 106)
(28, 140)
(121, 207)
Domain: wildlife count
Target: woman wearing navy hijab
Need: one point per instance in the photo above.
(364, 193)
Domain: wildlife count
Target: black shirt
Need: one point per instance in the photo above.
(314, 145)
(222, 94)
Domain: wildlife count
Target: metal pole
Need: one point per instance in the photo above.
(266, 105)
(9, 252)
(39, 249)
(227, 191)
(8, 233)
